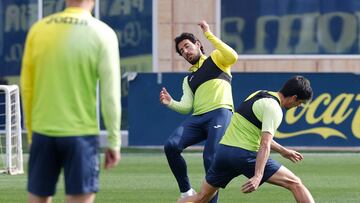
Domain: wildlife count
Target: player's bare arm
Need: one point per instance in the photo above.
(290, 154)
(293, 155)
(262, 156)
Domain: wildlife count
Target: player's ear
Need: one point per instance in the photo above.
(197, 44)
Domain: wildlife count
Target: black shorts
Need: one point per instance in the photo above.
(77, 155)
(231, 162)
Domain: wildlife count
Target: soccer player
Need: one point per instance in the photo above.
(66, 55)
(245, 147)
(206, 91)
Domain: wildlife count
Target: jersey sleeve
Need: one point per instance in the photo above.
(223, 55)
(272, 116)
(27, 82)
(110, 90)
(184, 106)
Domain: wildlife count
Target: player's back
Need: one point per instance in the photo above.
(65, 49)
(243, 132)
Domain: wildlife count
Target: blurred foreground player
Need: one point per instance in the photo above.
(66, 55)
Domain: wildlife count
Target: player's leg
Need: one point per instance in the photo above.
(226, 165)
(219, 120)
(206, 192)
(86, 198)
(37, 199)
(217, 123)
(81, 167)
(287, 179)
(44, 169)
(187, 134)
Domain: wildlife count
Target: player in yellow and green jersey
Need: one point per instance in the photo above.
(207, 93)
(66, 56)
(245, 147)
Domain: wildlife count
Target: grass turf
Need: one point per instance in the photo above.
(145, 177)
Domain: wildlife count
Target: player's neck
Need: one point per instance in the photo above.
(86, 5)
(282, 98)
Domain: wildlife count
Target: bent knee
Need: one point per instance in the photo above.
(171, 147)
(203, 197)
(168, 146)
(294, 183)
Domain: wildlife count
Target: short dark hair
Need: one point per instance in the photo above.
(189, 36)
(299, 86)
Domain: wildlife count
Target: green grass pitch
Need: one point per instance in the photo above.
(145, 178)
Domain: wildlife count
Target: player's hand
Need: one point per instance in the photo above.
(112, 158)
(165, 97)
(251, 185)
(293, 155)
(204, 26)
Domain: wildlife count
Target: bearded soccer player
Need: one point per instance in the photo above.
(207, 93)
(66, 55)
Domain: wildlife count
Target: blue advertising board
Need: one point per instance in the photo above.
(16, 17)
(1, 30)
(331, 119)
(291, 26)
(131, 20)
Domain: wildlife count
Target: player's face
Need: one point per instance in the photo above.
(190, 51)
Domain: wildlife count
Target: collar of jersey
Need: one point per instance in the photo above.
(276, 95)
(76, 10)
(198, 64)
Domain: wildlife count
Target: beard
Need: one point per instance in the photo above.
(195, 59)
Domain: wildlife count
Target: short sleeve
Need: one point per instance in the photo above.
(269, 112)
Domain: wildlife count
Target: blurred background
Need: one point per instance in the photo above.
(275, 39)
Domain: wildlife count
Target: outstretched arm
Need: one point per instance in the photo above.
(224, 56)
(290, 154)
(184, 106)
